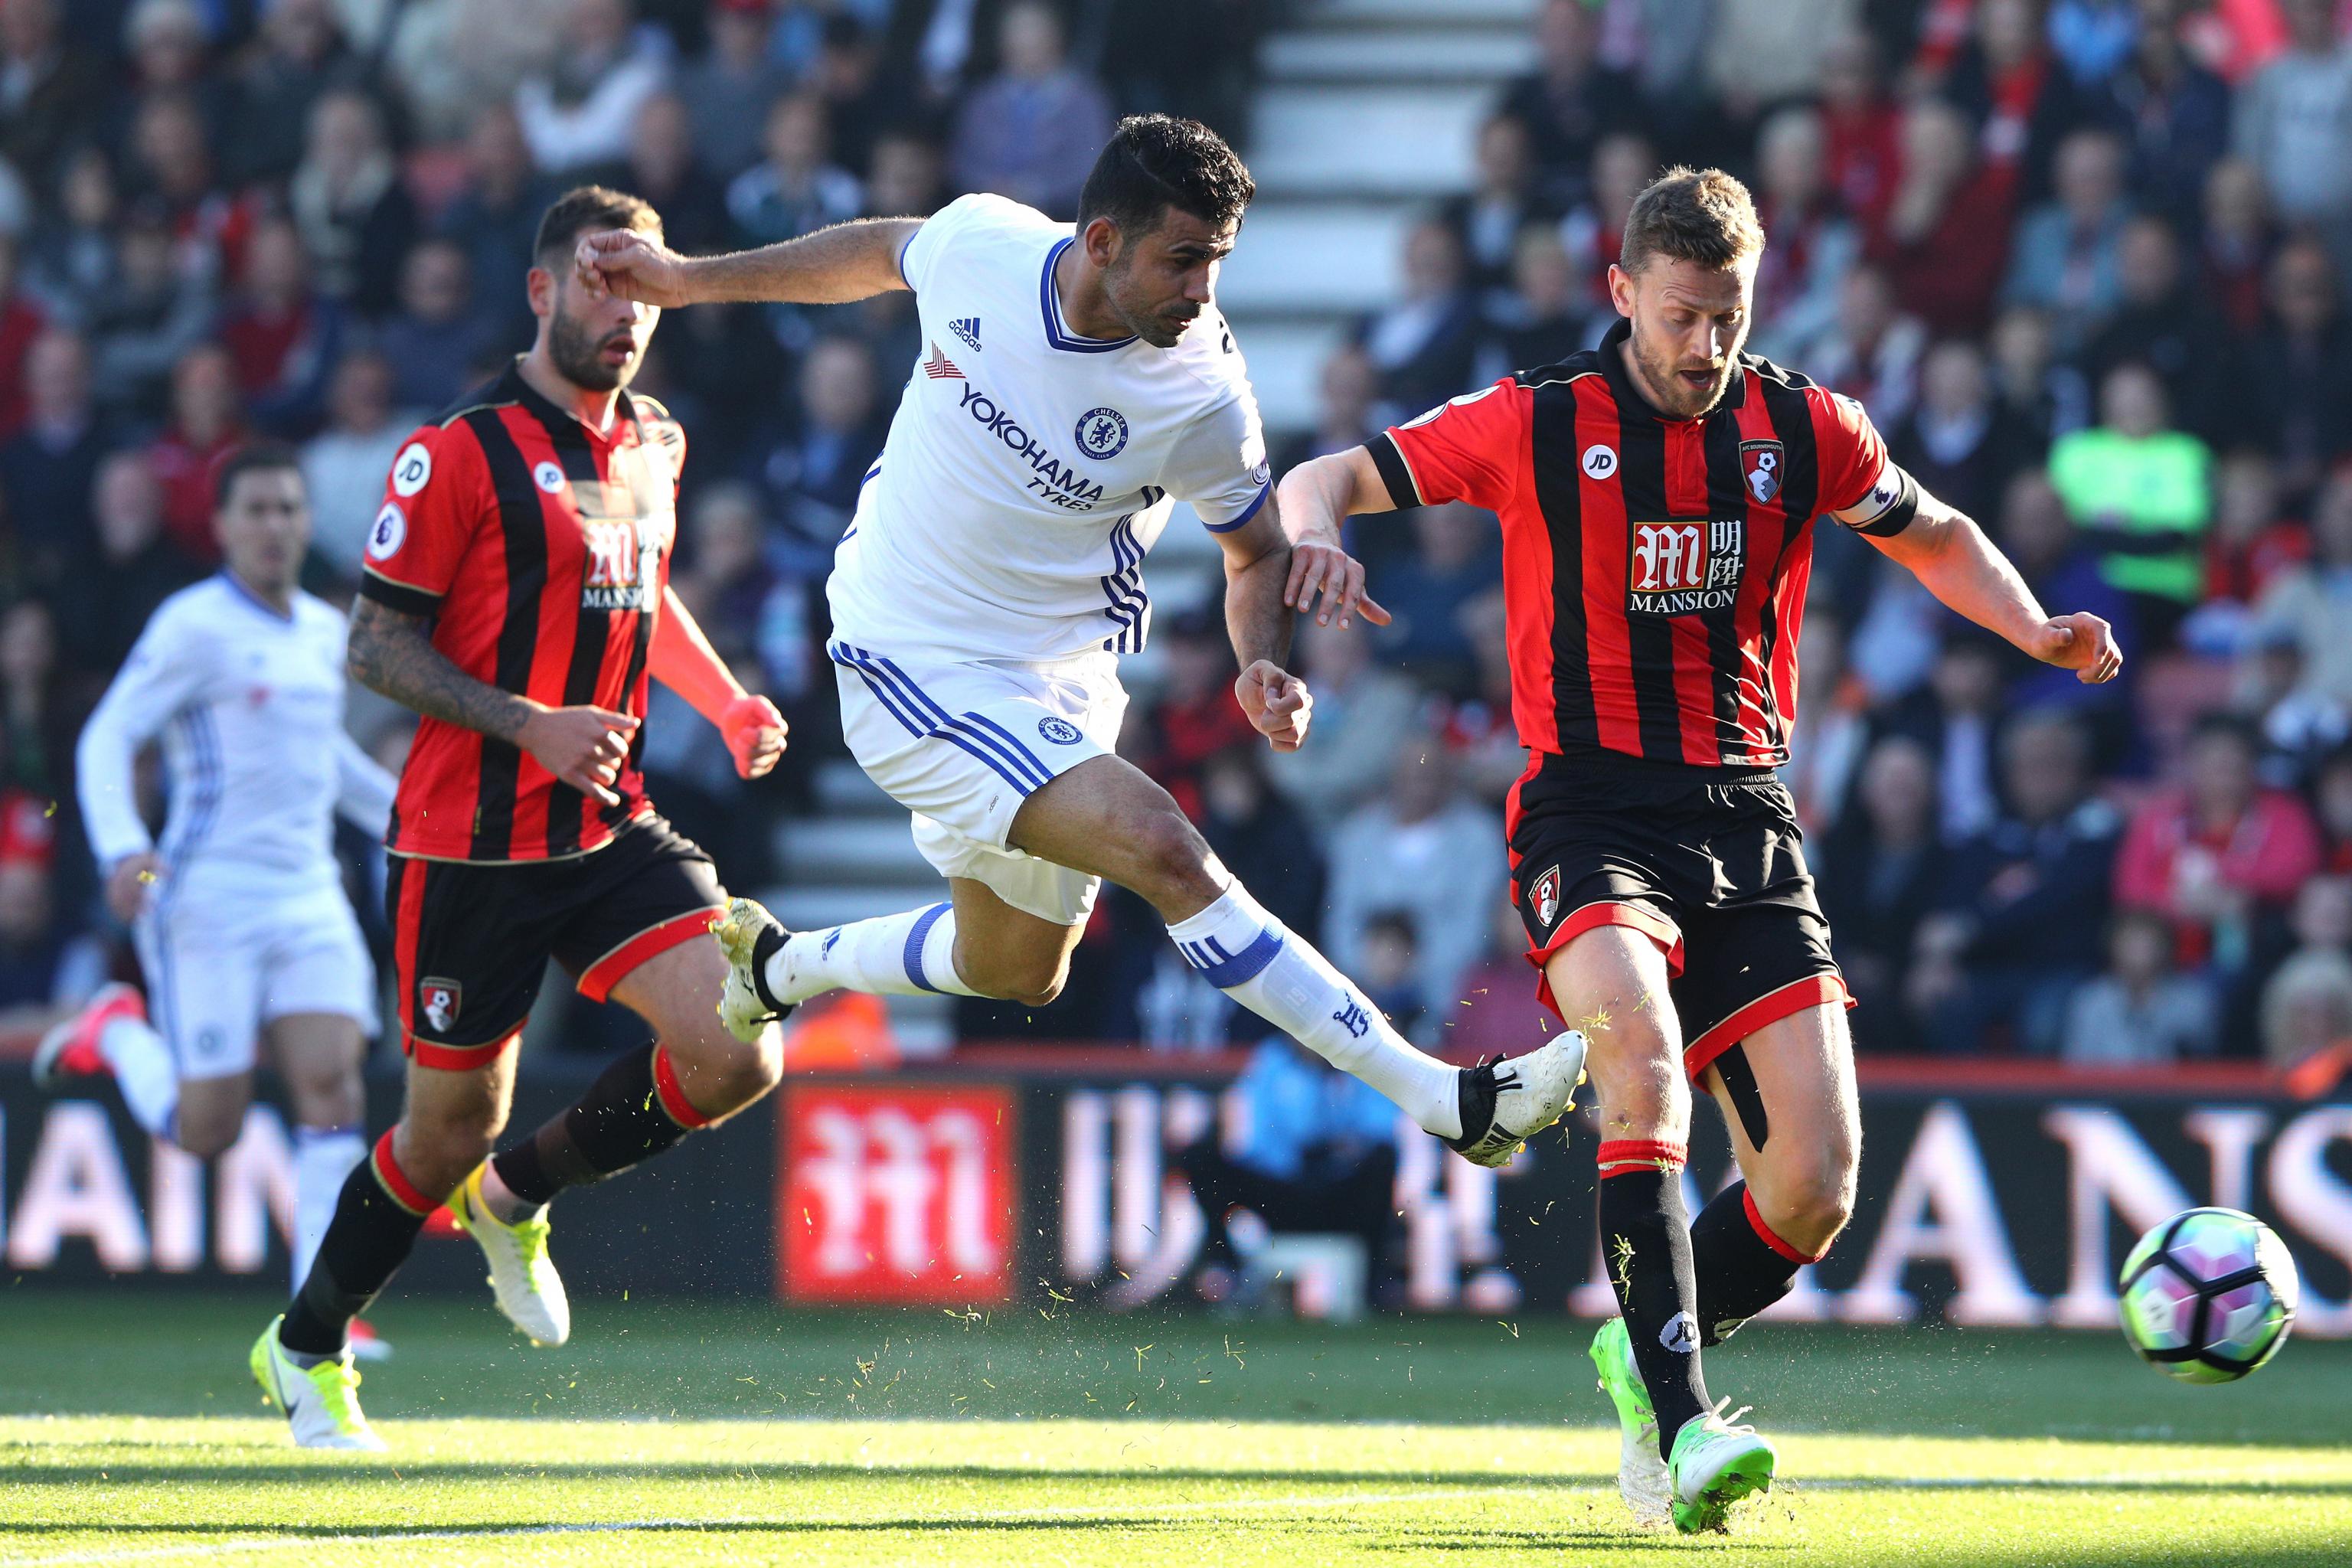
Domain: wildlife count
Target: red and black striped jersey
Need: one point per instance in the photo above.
(541, 549)
(1653, 569)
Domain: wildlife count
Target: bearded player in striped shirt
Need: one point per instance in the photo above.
(1657, 499)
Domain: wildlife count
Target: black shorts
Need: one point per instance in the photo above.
(1708, 864)
(470, 943)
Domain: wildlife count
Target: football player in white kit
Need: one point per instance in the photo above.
(1075, 383)
(239, 916)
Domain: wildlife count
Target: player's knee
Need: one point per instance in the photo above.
(207, 1132)
(436, 1156)
(1637, 1075)
(1169, 861)
(1030, 980)
(720, 1074)
(1808, 1201)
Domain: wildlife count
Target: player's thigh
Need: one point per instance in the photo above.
(1787, 1092)
(211, 1113)
(677, 992)
(1108, 818)
(318, 1056)
(1005, 950)
(1611, 983)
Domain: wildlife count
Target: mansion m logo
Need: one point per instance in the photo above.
(1684, 568)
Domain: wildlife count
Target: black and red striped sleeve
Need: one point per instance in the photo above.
(1473, 449)
(434, 499)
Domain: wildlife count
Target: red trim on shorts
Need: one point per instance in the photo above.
(1765, 1232)
(672, 1093)
(1770, 1009)
(1620, 1156)
(404, 927)
(1593, 917)
(455, 1058)
(394, 1181)
(596, 981)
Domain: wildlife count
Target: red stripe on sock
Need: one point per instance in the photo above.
(672, 1094)
(1755, 1222)
(1619, 1155)
(395, 1183)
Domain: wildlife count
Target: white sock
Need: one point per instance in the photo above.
(903, 955)
(1251, 957)
(323, 1157)
(144, 1072)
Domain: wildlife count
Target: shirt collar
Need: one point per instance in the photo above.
(515, 386)
(1049, 306)
(1613, 367)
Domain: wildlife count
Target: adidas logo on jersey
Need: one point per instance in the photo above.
(968, 329)
(939, 367)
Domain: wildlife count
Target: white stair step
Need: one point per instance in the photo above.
(1397, 55)
(1310, 257)
(854, 849)
(1390, 142)
(805, 906)
(1390, 12)
(843, 790)
(1285, 362)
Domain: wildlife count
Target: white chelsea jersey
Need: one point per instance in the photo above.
(250, 707)
(1029, 470)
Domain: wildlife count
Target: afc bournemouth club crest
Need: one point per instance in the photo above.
(1760, 463)
(441, 1000)
(1544, 896)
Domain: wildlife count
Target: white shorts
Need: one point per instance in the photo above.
(220, 967)
(963, 745)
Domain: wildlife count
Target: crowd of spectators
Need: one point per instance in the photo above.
(2085, 261)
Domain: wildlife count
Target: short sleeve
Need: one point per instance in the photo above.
(1852, 455)
(1219, 464)
(919, 259)
(1470, 449)
(433, 499)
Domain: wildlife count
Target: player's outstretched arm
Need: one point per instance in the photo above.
(848, 261)
(1953, 559)
(394, 654)
(682, 658)
(1314, 498)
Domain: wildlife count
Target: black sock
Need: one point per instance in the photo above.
(1645, 1245)
(633, 1112)
(1740, 1271)
(377, 1220)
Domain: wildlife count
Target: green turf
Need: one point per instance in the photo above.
(671, 1432)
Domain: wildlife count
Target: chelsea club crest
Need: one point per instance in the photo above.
(1102, 433)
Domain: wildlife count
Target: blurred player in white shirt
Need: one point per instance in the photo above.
(241, 926)
(1075, 381)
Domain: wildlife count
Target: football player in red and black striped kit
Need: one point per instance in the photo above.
(1658, 497)
(517, 595)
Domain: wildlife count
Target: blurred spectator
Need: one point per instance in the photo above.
(2063, 257)
(662, 168)
(1424, 344)
(284, 338)
(45, 961)
(170, 162)
(1344, 413)
(2044, 399)
(2292, 381)
(1898, 634)
(2306, 1008)
(2093, 38)
(581, 111)
(50, 88)
(1362, 713)
(1813, 246)
(1542, 318)
(2299, 724)
(2235, 242)
(2018, 921)
(21, 323)
(1497, 1014)
(154, 313)
(1954, 718)
(1423, 848)
(170, 50)
(206, 424)
(495, 216)
(1455, 558)
(753, 612)
(347, 198)
(1873, 353)
(343, 467)
(1882, 871)
(1861, 129)
(302, 53)
(436, 342)
(453, 59)
(2061, 566)
(2219, 853)
(1196, 60)
(2331, 793)
(1389, 974)
(2172, 113)
(2140, 1011)
(1502, 200)
(72, 261)
(38, 721)
(2144, 491)
(1593, 232)
(2158, 320)
(2252, 545)
(813, 473)
(1945, 236)
(905, 177)
(728, 89)
(48, 466)
(2295, 117)
(1476, 724)
(1573, 100)
(2312, 601)
(1959, 441)
(1194, 715)
(859, 105)
(1032, 132)
(104, 606)
(797, 187)
(1832, 723)
(1763, 52)
(2021, 103)
(1248, 823)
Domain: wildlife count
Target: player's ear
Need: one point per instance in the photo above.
(1621, 289)
(540, 286)
(1103, 242)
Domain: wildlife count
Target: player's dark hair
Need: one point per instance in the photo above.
(1700, 215)
(583, 209)
(1154, 161)
(254, 457)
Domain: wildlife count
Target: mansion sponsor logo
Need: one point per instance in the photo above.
(1684, 568)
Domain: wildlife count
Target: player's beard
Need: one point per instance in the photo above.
(1677, 399)
(1149, 325)
(579, 356)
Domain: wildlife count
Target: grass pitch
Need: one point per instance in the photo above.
(669, 1432)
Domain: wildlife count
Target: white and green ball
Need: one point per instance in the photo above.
(2209, 1295)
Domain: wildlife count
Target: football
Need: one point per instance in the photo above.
(2209, 1295)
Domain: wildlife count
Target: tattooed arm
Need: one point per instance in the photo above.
(393, 653)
